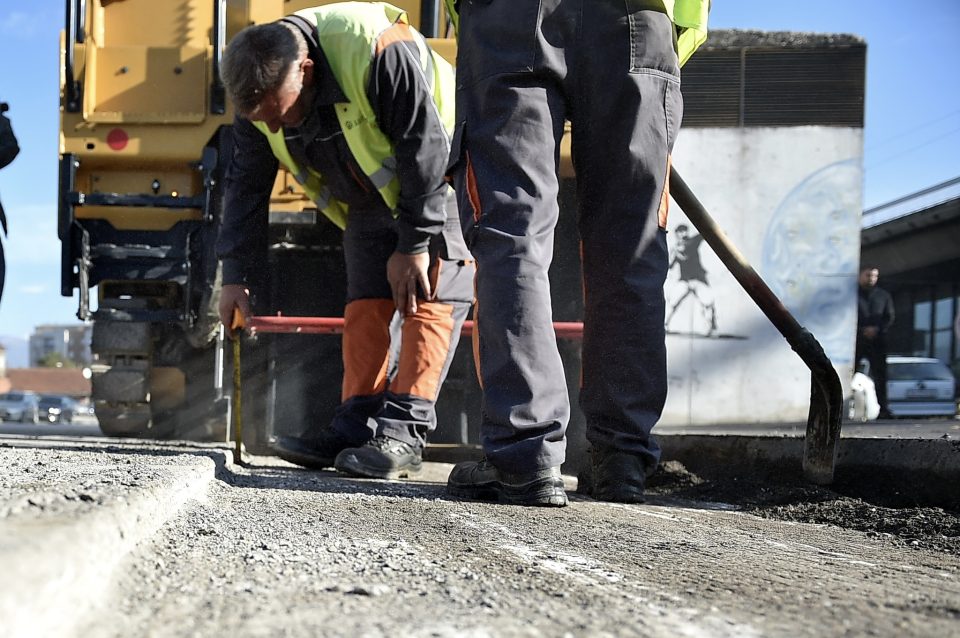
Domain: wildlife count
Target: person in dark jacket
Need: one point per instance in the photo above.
(9, 148)
(349, 98)
(874, 318)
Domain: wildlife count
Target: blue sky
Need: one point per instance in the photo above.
(911, 137)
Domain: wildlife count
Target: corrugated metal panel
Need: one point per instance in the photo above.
(796, 87)
(775, 87)
(711, 86)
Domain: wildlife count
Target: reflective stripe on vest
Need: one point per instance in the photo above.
(349, 35)
(312, 182)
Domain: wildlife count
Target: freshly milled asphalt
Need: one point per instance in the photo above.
(107, 538)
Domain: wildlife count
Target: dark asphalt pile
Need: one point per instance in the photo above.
(871, 507)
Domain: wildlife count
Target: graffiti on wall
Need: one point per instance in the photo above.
(691, 309)
(790, 200)
(810, 253)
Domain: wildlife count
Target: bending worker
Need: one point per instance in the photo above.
(612, 67)
(349, 98)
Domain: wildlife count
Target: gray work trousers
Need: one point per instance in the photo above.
(523, 68)
(394, 369)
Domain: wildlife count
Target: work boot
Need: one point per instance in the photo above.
(481, 481)
(316, 451)
(380, 457)
(618, 477)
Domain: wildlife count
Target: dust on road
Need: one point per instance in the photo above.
(276, 551)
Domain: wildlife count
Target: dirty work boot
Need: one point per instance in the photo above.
(380, 457)
(618, 477)
(317, 451)
(479, 480)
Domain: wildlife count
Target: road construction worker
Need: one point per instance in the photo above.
(350, 99)
(613, 69)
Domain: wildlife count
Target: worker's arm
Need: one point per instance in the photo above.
(406, 113)
(242, 242)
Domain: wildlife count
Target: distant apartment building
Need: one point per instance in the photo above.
(71, 343)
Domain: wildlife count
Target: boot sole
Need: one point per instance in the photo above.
(535, 495)
(618, 495)
(365, 471)
(304, 460)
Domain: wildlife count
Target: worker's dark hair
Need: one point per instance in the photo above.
(869, 267)
(4, 107)
(257, 61)
(681, 227)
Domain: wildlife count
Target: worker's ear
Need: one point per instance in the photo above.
(307, 67)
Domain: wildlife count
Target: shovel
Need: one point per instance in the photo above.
(826, 395)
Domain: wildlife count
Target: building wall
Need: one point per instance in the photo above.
(72, 342)
(790, 198)
(913, 241)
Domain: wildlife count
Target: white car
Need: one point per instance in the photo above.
(920, 386)
(20, 406)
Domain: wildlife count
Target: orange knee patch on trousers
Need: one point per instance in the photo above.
(366, 346)
(424, 349)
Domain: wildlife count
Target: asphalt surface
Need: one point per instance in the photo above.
(922, 428)
(108, 538)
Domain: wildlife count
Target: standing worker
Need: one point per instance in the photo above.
(9, 149)
(613, 69)
(874, 318)
(350, 99)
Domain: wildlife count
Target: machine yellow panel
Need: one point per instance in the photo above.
(122, 23)
(135, 218)
(446, 47)
(140, 84)
(114, 143)
(158, 180)
(257, 12)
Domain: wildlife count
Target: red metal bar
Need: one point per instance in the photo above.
(334, 325)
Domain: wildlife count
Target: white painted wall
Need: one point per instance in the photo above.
(790, 198)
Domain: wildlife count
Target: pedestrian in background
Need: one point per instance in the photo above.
(352, 101)
(874, 318)
(612, 67)
(9, 148)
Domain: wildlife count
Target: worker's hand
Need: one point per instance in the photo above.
(233, 297)
(404, 272)
(870, 332)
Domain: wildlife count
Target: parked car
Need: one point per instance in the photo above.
(84, 408)
(920, 386)
(20, 406)
(57, 409)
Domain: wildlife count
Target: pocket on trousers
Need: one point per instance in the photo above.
(455, 161)
(673, 110)
(496, 36)
(652, 40)
(460, 172)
